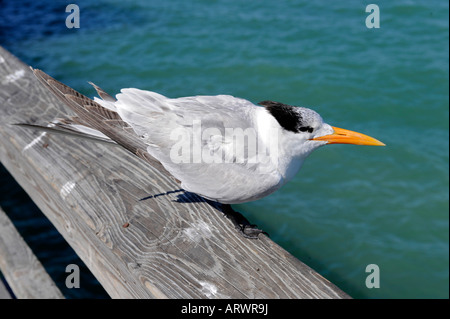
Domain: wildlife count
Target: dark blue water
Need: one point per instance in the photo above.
(349, 206)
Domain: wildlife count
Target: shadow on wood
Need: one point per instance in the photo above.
(174, 246)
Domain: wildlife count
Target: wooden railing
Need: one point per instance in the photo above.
(170, 246)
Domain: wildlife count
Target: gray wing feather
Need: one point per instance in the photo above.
(94, 115)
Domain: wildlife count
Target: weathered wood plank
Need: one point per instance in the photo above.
(4, 293)
(22, 270)
(175, 246)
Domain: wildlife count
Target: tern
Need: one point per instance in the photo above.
(223, 148)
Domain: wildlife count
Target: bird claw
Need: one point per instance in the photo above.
(241, 223)
(251, 231)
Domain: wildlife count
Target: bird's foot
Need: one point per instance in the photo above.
(241, 223)
(250, 231)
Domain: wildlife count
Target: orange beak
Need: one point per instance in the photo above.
(341, 136)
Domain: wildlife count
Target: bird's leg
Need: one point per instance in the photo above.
(241, 223)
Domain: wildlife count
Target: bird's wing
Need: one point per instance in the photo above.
(60, 126)
(99, 117)
(207, 142)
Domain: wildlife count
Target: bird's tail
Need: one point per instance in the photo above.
(69, 128)
(74, 126)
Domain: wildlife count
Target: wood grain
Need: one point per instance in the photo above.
(24, 273)
(174, 245)
(4, 293)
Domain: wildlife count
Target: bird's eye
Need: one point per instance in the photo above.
(308, 129)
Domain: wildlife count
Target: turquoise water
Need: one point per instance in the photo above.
(349, 206)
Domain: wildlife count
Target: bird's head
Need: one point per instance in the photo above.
(305, 130)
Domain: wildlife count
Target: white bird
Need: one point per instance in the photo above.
(223, 148)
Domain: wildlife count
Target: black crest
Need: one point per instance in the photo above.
(286, 115)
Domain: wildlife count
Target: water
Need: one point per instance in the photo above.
(349, 206)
